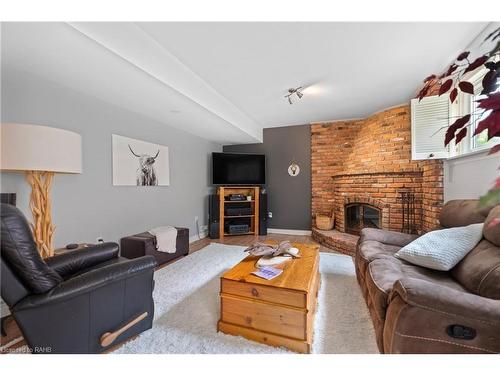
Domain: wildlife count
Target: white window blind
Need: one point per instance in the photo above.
(429, 119)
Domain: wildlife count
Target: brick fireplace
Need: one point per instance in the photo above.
(358, 215)
(367, 164)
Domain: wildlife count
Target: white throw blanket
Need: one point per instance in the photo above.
(165, 238)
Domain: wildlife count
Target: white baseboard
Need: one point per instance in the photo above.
(195, 237)
(293, 232)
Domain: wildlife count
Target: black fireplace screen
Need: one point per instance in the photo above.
(360, 215)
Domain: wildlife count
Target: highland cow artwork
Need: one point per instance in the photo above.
(139, 163)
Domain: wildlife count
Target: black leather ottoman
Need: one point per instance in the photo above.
(144, 243)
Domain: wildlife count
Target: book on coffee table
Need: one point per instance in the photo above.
(268, 273)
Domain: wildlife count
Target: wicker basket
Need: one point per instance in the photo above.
(324, 222)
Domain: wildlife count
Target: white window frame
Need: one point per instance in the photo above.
(463, 106)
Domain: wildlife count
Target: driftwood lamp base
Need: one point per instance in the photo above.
(43, 229)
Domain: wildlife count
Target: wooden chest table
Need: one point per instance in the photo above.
(278, 312)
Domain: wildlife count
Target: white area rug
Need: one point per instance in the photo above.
(186, 299)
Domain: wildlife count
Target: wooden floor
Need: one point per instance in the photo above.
(14, 334)
(249, 240)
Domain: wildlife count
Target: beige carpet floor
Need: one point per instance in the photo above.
(187, 309)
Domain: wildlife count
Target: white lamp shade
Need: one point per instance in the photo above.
(26, 147)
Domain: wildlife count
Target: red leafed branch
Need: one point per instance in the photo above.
(452, 129)
(488, 107)
(466, 87)
(491, 124)
(451, 79)
(494, 149)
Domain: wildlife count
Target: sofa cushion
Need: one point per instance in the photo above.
(491, 229)
(442, 249)
(386, 236)
(377, 243)
(461, 212)
(383, 273)
(20, 252)
(479, 271)
(369, 250)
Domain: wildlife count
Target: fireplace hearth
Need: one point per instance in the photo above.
(361, 215)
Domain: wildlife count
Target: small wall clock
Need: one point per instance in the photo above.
(293, 169)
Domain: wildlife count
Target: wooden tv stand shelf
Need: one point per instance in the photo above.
(252, 219)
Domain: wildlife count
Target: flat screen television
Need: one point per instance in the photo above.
(238, 169)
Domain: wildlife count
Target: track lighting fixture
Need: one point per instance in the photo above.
(295, 91)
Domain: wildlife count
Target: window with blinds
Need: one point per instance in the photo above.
(429, 119)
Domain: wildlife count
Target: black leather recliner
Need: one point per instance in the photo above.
(82, 301)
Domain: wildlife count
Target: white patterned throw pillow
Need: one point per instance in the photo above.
(442, 249)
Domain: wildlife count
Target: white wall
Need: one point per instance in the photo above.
(470, 176)
(87, 206)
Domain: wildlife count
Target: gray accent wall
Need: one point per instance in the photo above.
(88, 206)
(289, 197)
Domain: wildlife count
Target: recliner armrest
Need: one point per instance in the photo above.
(387, 237)
(442, 299)
(89, 281)
(74, 261)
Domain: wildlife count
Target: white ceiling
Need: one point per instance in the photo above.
(228, 79)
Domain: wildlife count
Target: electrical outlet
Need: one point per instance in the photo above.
(270, 215)
(196, 219)
(100, 240)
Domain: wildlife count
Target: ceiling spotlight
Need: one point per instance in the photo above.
(295, 91)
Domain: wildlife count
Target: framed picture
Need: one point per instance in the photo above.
(139, 163)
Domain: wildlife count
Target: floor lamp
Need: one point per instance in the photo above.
(40, 151)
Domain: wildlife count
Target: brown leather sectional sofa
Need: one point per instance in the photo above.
(419, 310)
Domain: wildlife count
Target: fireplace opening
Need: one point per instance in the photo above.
(361, 215)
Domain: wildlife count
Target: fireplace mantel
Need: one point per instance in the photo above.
(399, 173)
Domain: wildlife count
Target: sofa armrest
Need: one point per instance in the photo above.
(89, 281)
(387, 237)
(74, 261)
(448, 301)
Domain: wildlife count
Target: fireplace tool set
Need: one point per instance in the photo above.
(408, 208)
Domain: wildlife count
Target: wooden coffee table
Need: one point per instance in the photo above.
(278, 312)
